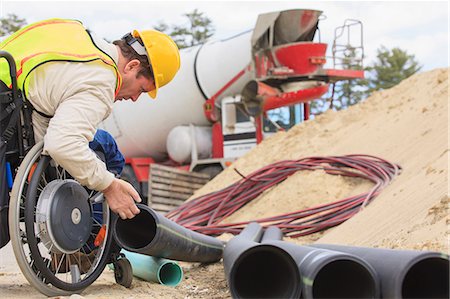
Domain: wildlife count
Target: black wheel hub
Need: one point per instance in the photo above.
(64, 216)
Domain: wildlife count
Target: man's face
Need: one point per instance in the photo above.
(132, 84)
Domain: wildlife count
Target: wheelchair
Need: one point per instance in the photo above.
(60, 231)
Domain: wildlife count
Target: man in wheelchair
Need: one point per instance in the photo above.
(58, 81)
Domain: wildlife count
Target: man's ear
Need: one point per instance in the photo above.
(132, 65)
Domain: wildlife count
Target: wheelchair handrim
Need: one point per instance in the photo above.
(36, 272)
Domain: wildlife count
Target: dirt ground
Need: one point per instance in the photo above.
(407, 124)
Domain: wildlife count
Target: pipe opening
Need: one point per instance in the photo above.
(136, 233)
(344, 279)
(429, 278)
(170, 274)
(265, 272)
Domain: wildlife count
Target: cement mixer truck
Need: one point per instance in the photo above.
(219, 105)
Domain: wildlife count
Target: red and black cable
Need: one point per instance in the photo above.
(205, 213)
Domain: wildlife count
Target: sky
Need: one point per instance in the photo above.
(421, 28)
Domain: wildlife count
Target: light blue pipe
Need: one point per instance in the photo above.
(149, 268)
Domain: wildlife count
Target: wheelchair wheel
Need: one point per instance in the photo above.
(60, 236)
(123, 272)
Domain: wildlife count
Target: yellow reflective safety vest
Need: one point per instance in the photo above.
(46, 41)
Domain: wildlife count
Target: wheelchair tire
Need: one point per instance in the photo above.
(41, 270)
(123, 272)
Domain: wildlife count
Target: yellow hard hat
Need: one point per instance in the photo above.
(163, 55)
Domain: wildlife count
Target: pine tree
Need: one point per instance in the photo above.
(198, 30)
(10, 24)
(391, 68)
(343, 93)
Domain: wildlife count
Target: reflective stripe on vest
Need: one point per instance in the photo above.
(50, 40)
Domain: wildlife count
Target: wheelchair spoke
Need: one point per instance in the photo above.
(77, 259)
(59, 173)
(38, 235)
(86, 256)
(44, 179)
(50, 250)
(49, 263)
(46, 243)
(96, 222)
(60, 263)
(90, 249)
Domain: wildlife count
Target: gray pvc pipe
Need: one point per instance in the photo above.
(152, 234)
(272, 233)
(404, 273)
(256, 270)
(326, 273)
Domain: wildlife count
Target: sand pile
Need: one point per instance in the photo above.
(407, 124)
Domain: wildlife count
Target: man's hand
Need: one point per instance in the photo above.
(121, 196)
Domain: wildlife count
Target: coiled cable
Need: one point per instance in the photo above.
(205, 213)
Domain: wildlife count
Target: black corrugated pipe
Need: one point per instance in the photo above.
(256, 270)
(329, 274)
(152, 234)
(405, 273)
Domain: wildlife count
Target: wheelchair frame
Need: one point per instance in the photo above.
(44, 266)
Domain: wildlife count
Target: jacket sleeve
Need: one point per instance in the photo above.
(73, 126)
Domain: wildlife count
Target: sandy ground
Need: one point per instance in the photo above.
(407, 124)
